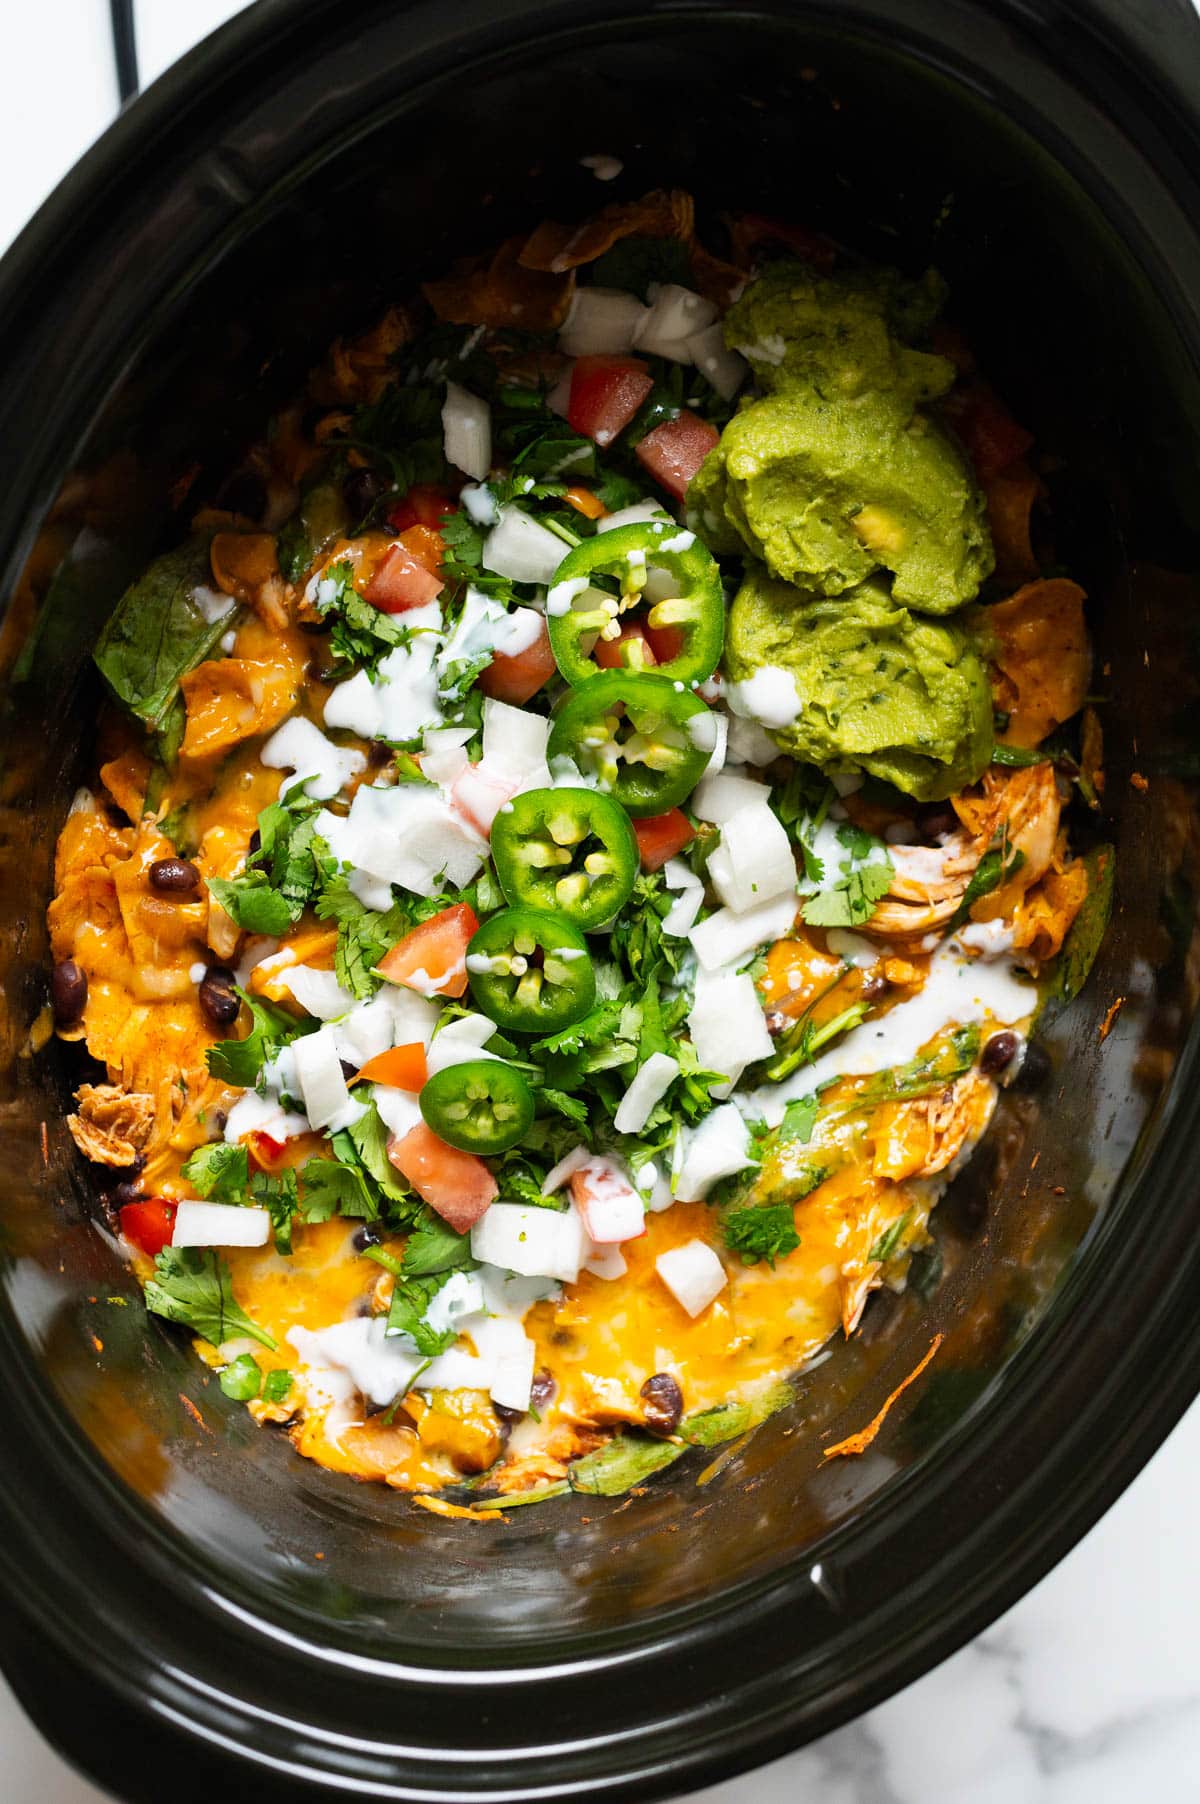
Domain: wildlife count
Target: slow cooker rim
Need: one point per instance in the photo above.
(1168, 1402)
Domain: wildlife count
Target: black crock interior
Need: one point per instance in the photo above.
(184, 1587)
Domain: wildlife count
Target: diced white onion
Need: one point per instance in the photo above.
(378, 1364)
(612, 1210)
(749, 743)
(726, 938)
(727, 1025)
(676, 314)
(318, 992)
(602, 322)
(219, 1225)
(517, 547)
(693, 1274)
(720, 366)
(467, 432)
(634, 515)
(327, 1101)
(754, 862)
(546, 1243)
(647, 1090)
(720, 795)
(714, 1150)
(460, 1041)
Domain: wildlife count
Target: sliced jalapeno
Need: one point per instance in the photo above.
(529, 972)
(569, 851)
(653, 577)
(481, 1106)
(645, 741)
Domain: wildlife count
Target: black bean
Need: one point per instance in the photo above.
(127, 1191)
(68, 992)
(933, 819)
(174, 877)
(362, 489)
(218, 1003)
(255, 845)
(348, 1070)
(379, 752)
(244, 492)
(874, 986)
(541, 1391)
(366, 1237)
(999, 1053)
(507, 1414)
(664, 1403)
(1035, 1068)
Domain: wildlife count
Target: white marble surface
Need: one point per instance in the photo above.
(1088, 1691)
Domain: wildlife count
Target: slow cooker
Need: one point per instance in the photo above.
(190, 1609)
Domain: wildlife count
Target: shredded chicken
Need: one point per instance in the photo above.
(920, 1138)
(113, 1124)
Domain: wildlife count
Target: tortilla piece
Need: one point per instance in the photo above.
(1044, 653)
(506, 291)
(662, 214)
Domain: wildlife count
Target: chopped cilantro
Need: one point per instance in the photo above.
(866, 876)
(219, 1171)
(239, 1061)
(276, 1386)
(328, 1188)
(195, 1287)
(364, 936)
(799, 1119)
(761, 1231)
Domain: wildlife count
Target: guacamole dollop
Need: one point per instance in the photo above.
(879, 688)
(835, 474)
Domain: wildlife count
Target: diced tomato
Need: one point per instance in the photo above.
(401, 581)
(424, 505)
(585, 502)
(630, 650)
(991, 437)
(515, 679)
(149, 1225)
(606, 392)
(427, 545)
(267, 1153)
(674, 451)
(611, 1208)
(432, 959)
(666, 642)
(400, 1068)
(661, 836)
(456, 1185)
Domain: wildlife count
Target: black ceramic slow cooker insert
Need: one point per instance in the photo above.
(192, 1610)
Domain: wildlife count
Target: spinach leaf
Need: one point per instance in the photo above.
(158, 632)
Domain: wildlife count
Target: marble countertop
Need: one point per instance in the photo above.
(1088, 1690)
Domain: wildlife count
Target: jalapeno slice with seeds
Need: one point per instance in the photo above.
(481, 1106)
(529, 972)
(646, 742)
(567, 851)
(654, 575)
